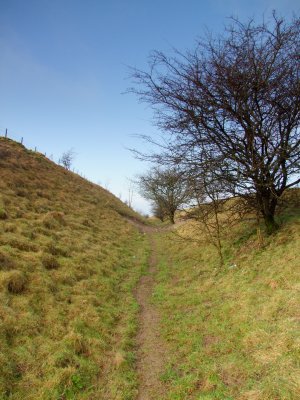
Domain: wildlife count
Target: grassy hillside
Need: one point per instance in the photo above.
(233, 332)
(68, 263)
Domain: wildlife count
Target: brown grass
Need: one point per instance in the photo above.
(68, 264)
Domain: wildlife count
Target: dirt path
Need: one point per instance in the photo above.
(151, 348)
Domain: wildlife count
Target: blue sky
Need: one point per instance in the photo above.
(64, 67)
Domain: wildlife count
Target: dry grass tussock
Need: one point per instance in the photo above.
(68, 263)
(234, 331)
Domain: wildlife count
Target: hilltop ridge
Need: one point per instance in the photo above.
(28, 170)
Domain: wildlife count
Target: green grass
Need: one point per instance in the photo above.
(233, 333)
(69, 262)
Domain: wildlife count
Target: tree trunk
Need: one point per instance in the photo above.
(271, 224)
(172, 217)
(172, 220)
(268, 212)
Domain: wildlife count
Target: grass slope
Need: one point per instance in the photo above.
(68, 264)
(234, 332)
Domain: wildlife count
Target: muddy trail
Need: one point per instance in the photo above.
(151, 348)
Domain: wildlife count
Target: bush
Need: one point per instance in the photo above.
(10, 228)
(50, 262)
(6, 263)
(64, 358)
(23, 246)
(4, 154)
(20, 214)
(3, 214)
(77, 343)
(87, 222)
(21, 192)
(57, 251)
(15, 281)
(54, 219)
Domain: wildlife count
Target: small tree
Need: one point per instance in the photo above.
(214, 212)
(207, 204)
(158, 211)
(67, 158)
(167, 189)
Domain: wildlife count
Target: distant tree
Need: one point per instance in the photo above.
(235, 99)
(166, 188)
(158, 211)
(67, 158)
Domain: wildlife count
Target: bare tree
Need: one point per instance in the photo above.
(166, 188)
(236, 100)
(67, 158)
(158, 211)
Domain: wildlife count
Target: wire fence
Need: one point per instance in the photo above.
(15, 136)
(19, 138)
